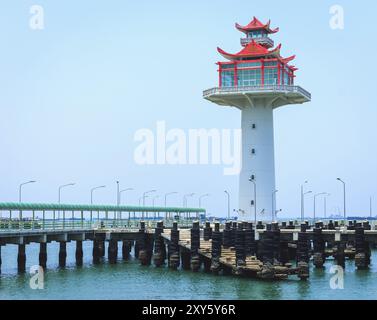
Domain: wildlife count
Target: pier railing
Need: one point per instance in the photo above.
(25, 216)
(35, 225)
(264, 88)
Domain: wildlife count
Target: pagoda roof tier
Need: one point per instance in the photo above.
(253, 51)
(255, 24)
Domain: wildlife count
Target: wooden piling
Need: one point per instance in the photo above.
(303, 253)
(206, 262)
(275, 243)
(216, 250)
(126, 249)
(144, 246)
(112, 252)
(259, 244)
(79, 253)
(195, 245)
(43, 254)
(62, 253)
(173, 249)
(101, 248)
(96, 252)
(318, 247)
(240, 245)
(185, 259)
(233, 234)
(361, 259)
(250, 246)
(265, 246)
(21, 258)
(136, 249)
(207, 231)
(158, 256)
(339, 256)
(227, 235)
(291, 225)
(330, 225)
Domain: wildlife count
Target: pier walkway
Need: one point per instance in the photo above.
(175, 237)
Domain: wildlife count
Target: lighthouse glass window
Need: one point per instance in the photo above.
(270, 76)
(227, 78)
(250, 77)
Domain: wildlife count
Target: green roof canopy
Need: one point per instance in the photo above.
(85, 207)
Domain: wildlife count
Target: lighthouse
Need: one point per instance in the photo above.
(257, 80)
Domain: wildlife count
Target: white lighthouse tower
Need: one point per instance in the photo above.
(257, 80)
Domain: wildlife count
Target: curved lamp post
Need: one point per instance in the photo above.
(228, 196)
(302, 200)
(59, 193)
(121, 191)
(92, 190)
(303, 203)
(20, 194)
(165, 197)
(153, 200)
(185, 199)
(325, 204)
(145, 194)
(344, 199)
(314, 206)
(201, 197)
(20, 189)
(168, 194)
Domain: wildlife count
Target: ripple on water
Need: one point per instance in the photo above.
(129, 280)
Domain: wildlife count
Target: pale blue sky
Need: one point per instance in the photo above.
(73, 95)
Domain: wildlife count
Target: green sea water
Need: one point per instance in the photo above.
(129, 280)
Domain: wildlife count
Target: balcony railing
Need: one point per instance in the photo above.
(263, 40)
(265, 88)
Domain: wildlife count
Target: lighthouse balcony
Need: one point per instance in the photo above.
(243, 96)
(266, 41)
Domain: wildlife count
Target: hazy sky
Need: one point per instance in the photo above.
(74, 94)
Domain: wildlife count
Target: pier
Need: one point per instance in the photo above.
(176, 238)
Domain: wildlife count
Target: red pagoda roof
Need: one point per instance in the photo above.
(254, 50)
(255, 24)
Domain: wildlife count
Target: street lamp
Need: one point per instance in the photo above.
(145, 195)
(92, 190)
(20, 194)
(168, 194)
(273, 205)
(315, 197)
(63, 186)
(325, 204)
(302, 200)
(303, 204)
(251, 179)
(228, 196)
(370, 207)
(20, 189)
(153, 199)
(344, 198)
(120, 193)
(185, 199)
(141, 199)
(59, 193)
(200, 199)
(117, 200)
